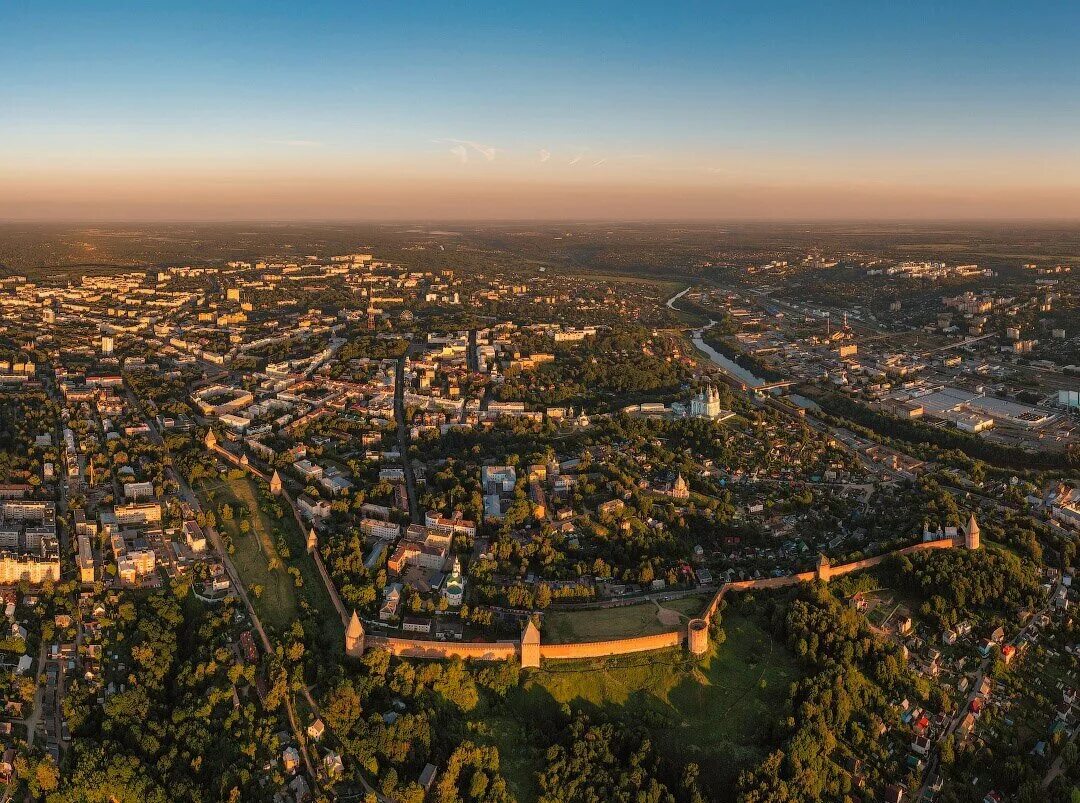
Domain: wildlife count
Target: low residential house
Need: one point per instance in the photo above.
(300, 789)
(391, 602)
(416, 624)
(610, 508)
(967, 725)
(427, 776)
(290, 759)
(333, 766)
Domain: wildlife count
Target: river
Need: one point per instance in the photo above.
(727, 365)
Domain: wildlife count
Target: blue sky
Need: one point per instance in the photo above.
(952, 97)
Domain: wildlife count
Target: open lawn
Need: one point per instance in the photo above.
(643, 619)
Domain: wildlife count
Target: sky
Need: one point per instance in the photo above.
(386, 110)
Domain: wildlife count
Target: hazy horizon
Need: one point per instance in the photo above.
(610, 112)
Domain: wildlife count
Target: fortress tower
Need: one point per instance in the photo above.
(697, 637)
(824, 569)
(530, 646)
(275, 484)
(354, 638)
(210, 440)
(971, 533)
(313, 542)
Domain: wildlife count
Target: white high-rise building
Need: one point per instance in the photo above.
(107, 344)
(706, 404)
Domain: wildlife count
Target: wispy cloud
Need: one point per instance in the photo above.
(296, 143)
(544, 155)
(460, 149)
(577, 159)
(599, 162)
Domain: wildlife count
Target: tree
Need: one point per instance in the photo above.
(543, 595)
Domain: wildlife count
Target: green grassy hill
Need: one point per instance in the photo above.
(717, 713)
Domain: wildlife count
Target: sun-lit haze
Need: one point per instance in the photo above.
(117, 111)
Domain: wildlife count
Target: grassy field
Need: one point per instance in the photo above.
(276, 605)
(629, 621)
(279, 605)
(717, 714)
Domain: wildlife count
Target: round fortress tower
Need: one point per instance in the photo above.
(697, 637)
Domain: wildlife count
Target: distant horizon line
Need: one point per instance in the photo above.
(552, 221)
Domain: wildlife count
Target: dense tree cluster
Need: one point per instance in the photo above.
(611, 761)
(835, 710)
(182, 723)
(958, 584)
(613, 365)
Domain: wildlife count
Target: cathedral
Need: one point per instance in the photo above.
(706, 404)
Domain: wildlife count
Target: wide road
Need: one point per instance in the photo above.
(403, 439)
